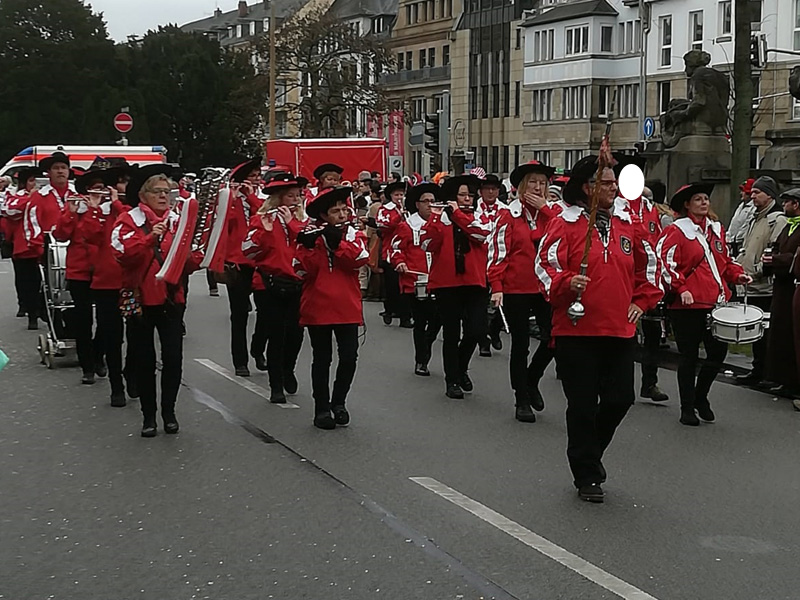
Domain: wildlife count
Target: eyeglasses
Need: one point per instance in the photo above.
(160, 191)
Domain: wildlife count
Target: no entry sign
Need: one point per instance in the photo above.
(123, 122)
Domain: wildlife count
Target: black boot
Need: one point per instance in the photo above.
(170, 423)
(421, 369)
(21, 312)
(33, 322)
(524, 414)
(688, 417)
(276, 395)
(704, 410)
(454, 391)
(149, 427)
(261, 362)
(118, 399)
(654, 393)
(100, 368)
(537, 401)
(290, 383)
(324, 420)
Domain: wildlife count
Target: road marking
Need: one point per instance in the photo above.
(250, 387)
(549, 549)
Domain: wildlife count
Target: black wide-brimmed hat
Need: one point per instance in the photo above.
(56, 157)
(241, 171)
(534, 166)
(582, 172)
(284, 181)
(416, 192)
(623, 160)
(327, 198)
(86, 180)
(491, 180)
(138, 178)
(451, 186)
(26, 173)
(327, 168)
(685, 193)
(395, 186)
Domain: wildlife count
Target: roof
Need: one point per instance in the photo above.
(220, 21)
(573, 10)
(346, 9)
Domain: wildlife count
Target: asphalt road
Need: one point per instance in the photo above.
(421, 497)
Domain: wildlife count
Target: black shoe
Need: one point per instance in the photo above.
(213, 292)
(276, 396)
(524, 414)
(171, 424)
(340, 416)
(537, 401)
(497, 343)
(133, 388)
(421, 370)
(21, 313)
(454, 391)
(466, 383)
(406, 323)
(261, 362)
(592, 493)
(242, 372)
(704, 412)
(796, 405)
(183, 328)
(485, 352)
(88, 378)
(118, 399)
(688, 417)
(33, 323)
(149, 429)
(324, 420)
(290, 383)
(654, 393)
(100, 369)
(387, 318)
(751, 378)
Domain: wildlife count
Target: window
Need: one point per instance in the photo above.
(419, 109)
(484, 101)
(252, 27)
(409, 60)
(696, 30)
(518, 43)
(664, 96)
(473, 102)
(756, 91)
(753, 157)
(630, 37)
(571, 157)
(266, 25)
(795, 109)
(575, 102)
(543, 44)
(280, 94)
(449, 8)
(603, 101)
(446, 55)
(506, 166)
(755, 13)
(516, 155)
(577, 40)
(239, 30)
(495, 164)
(516, 98)
(543, 156)
(484, 156)
(415, 13)
(431, 57)
(506, 100)
(542, 101)
(495, 100)
(796, 33)
(378, 25)
(606, 33)
(665, 32)
(408, 14)
(422, 61)
(400, 61)
(628, 100)
(725, 18)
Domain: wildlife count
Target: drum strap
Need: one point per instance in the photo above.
(713, 264)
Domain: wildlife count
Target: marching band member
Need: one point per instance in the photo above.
(391, 214)
(512, 255)
(328, 175)
(490, 207)
(271, 243)
(696, 268)
(140, 240)
(238, 268)
(14, 211)
(328, 259)
(595, 353)
(456, 239)
(412, 263)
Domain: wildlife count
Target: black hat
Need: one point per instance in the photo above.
(416, 192)
(327, 198)
(55, 157)
(534, 166)
(392, 188)
(138, 178)
(767, 185)
(623, 160)
(284, 181)
(240, 172)
(685, 193)
(451, 186)
(26, 173)
(791, 194)
(491, 180)
(659, 191)
(84, 181)
(327, 168)
(581, 173)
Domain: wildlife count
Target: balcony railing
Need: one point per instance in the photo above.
(426, 74)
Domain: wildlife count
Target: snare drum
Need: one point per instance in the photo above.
(737, 323)
(421, 288)
(57, 266)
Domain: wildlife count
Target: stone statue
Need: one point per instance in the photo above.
(705, 110)
(794, 83)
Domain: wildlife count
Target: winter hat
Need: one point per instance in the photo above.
(766, 185)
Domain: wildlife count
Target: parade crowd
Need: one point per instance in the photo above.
(462, 257)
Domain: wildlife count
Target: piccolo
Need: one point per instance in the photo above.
(275, 211)
(443, 206)
(313, 230)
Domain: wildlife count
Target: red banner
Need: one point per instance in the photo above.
(396, 134)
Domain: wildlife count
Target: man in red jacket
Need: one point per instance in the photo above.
(328, 259)
(595, 353)
(390, 215)
(26, 270)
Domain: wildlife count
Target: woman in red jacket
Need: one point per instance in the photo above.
(595, 353)
(456, 239)
(13, 213)
(512, 254)
(413, 263)
(696, 272)
(271, 244)
(140, 240)
(329, 258)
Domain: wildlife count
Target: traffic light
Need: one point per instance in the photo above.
(758, 51)
(432, 124)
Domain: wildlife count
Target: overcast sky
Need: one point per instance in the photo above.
(135, 17)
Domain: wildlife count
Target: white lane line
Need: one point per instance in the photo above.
(250, 387)
(549, 549)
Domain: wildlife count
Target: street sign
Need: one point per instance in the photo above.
(649, 127)
(123, 122)
(396, 164)
(416, 138)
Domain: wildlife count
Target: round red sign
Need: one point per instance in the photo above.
(123, 122)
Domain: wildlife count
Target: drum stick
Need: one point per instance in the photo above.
(416, 272)
(503, 316)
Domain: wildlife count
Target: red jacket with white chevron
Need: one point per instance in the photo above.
(407, 248)
(439, 241)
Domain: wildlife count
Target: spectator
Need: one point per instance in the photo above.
(741, 218)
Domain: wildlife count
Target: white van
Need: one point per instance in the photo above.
(83, 156)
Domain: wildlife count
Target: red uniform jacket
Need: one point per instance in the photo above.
(69, 228)
(97, 225)
(389, 217)
(645, 212)
(42, 215)
(685, 266)
(492, 212)
(135, 250)
(331, 292)
(623, 271)
(406, 248)
(512, 249)
(273, 252)
(440, 243)
(14, 213)
(242, 208)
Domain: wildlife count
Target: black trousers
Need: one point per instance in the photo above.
(109, 333)
(597, 377)
(240, 286)
(459, 306)
(651, 342)
(83, 322)
(322, 346)
(691, 329)
(426, 326)
(211, 280)
(278, 332)
(28, 279)
(518, 308)
(393, 303)
(166, 320)
(760, 347)
(18, 286)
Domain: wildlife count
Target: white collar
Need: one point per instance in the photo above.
(390, 205)
(137, 215)
(516, 208)
(690, 229)
(573, 212)
(49, 188)
(416, 222)
(621, 210)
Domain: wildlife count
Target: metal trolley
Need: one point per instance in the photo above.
(59, 307)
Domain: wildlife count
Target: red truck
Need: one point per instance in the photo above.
(302, 156)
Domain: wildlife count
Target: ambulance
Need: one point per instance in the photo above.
(83, 156)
